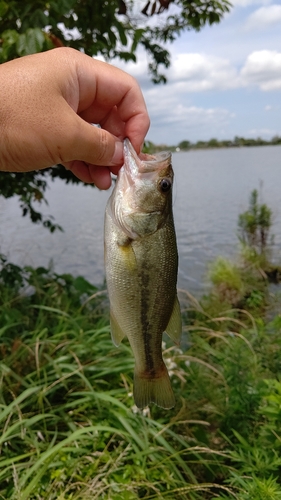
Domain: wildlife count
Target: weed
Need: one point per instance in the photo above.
(69, 429)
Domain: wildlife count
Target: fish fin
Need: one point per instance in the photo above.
(156, 390)
(128, 255)
(117, 334)
(174, 327)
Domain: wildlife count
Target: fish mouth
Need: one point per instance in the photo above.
(144, 163)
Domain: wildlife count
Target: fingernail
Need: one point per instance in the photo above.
(117, 158)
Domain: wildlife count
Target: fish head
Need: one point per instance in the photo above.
(142, 197)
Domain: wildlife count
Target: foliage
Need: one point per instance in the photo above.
(69, 428)
(242, 285)
(185, 145)
(68, 425)
(254, 224)
(226, 276)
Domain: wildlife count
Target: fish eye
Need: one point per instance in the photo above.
(165, 185)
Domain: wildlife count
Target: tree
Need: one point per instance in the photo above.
(184, 145)
(111, 28)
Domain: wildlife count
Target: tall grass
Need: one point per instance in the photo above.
(69, 428)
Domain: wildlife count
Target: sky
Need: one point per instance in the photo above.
(224, 81)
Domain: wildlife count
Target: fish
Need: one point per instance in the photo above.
(141, 267)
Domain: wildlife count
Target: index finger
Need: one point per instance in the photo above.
(103, 87)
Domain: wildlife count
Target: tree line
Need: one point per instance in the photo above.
(237, 142)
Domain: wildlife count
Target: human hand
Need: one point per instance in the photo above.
(48, 102)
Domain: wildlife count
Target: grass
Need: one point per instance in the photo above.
(69, 429)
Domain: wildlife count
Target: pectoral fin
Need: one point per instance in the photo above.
(127, 254)
(174, 327)
(117, 334)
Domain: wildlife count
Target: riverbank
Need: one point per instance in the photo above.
(68, 425)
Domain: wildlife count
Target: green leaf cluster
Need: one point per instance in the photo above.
(16, 44)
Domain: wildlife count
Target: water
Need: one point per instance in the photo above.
(211, 189)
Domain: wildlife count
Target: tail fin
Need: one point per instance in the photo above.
(156, 390)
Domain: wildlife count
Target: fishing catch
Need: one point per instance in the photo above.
(141, 265)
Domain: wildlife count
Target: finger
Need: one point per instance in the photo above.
(121, 122)
(115, 170)
(112, 87)
(90, 174)
(111, 122)
(89, 144)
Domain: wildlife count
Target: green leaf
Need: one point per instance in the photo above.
(127, 56)
(30, 42)
(82, 285)
(112, 37)
(7, 410)
(10, 37)
(137, 36)
(3, 8)
(122, 33)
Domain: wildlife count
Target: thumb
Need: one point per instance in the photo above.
(91, 144)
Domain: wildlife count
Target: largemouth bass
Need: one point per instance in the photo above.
(141, 264)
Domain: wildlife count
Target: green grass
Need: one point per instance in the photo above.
(69, 428)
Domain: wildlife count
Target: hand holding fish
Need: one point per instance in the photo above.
(48, 103)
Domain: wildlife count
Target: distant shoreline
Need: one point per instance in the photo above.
(237, 142)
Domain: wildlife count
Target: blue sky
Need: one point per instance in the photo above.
(223, 81)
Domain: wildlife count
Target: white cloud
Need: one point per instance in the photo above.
(191, 73)
(264, 17)
(248, 3)
(194, 72)
(261, 132)
(193, 116)
(263, 68)
(174, 118)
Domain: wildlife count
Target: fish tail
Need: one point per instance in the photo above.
(156, 390)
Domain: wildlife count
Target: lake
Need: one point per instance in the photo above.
(211, 188)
